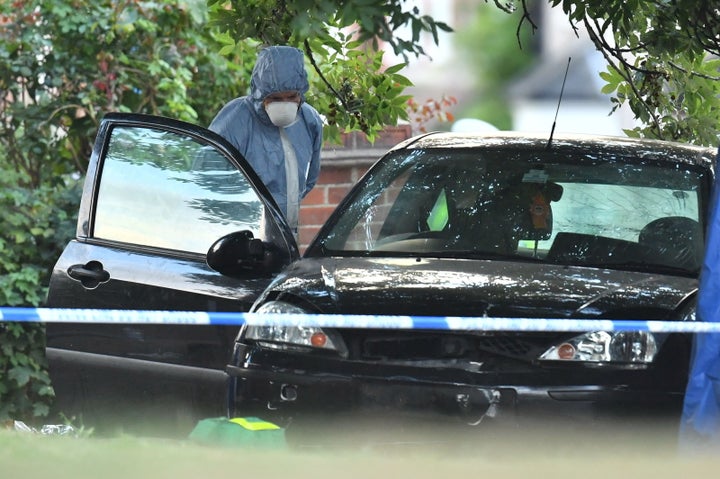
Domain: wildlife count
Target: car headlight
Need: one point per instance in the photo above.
(621, 348)
(298, 338)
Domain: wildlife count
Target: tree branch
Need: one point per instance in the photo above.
(338, 95)
(622, 72)
(525, 16)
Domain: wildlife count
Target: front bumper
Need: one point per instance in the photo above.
(301, 387)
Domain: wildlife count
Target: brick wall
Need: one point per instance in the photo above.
(341, 167)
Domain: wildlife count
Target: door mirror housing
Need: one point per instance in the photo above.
(240, 254)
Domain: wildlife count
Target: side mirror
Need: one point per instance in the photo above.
(239, 254)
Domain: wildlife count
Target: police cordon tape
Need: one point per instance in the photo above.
(117, 316)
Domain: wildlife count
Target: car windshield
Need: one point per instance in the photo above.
(559, 207)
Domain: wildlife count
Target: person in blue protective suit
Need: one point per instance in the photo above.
(278, 133)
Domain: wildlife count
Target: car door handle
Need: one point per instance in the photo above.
(91, 274)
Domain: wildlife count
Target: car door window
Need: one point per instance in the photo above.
(183, 194)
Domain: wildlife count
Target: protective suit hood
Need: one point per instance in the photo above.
(278, 68)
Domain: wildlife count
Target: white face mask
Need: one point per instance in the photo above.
(282, 113)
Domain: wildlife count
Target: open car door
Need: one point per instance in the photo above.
(164, 207)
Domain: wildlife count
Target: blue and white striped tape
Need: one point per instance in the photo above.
(113, 316)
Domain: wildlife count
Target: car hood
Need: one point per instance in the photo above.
(465, 287)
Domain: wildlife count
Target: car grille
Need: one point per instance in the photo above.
(426, 346)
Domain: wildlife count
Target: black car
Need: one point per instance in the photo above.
(158, 196)
(497, 225)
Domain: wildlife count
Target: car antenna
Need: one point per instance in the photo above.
(562, 89)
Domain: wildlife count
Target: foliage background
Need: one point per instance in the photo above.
(495, 55)
(663, 61)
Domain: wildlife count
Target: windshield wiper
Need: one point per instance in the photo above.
(475, 254)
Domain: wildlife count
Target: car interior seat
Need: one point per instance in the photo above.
(674, 241)
(497, 222)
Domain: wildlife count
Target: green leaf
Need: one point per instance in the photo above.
(395, 68)
(21, 375)
(609, 88)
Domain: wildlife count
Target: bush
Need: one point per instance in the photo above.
(36, 227)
